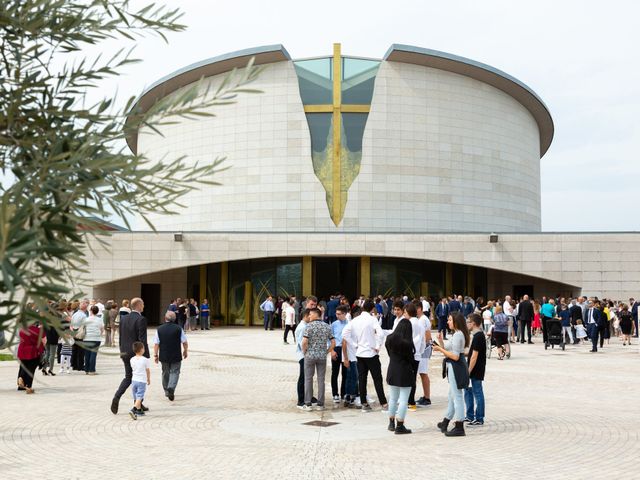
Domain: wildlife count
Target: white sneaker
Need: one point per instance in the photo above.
(61, 371)
(357, 402)
(336, 399)
(370, 400)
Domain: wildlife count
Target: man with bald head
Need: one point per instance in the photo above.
(133, 328)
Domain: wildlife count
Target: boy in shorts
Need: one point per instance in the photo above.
(141, 377)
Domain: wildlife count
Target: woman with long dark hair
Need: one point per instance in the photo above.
(457, 372)
(400, 374)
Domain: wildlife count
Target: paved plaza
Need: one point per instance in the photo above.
(550, 414)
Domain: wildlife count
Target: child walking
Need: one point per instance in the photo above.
(141, 377)
(66, 350)
(581, 332)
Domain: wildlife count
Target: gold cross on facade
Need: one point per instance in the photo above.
(336, 109)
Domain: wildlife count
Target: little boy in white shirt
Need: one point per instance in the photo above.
(141, 377)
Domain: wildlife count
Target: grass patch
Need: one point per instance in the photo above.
(5, 357)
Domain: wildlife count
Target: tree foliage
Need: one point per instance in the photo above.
(65, 166)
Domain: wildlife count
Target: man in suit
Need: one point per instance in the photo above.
(332, 304)
(594, 321)
(133, 328)
(525, 314)
(442, 314)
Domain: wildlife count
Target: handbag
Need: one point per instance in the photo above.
(81, 332)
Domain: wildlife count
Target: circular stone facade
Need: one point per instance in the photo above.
(434, 151)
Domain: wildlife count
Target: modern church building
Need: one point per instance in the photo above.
(417, 173)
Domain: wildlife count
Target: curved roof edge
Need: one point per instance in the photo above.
(485, 73)
(204, 68)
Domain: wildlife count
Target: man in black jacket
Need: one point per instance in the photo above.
(525, 314)
(575, 311)
(166, 349)
(133, 328)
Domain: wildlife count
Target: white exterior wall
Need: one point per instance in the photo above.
(448, 152)
(441, 152)
(265, 137)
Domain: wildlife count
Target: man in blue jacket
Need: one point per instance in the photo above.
(594, 322)
(442, 313)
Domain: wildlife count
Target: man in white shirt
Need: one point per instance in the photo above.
(423, 366)
(411, 313)
(78, 318)
(367, 334)
(299, 335)
(507, 308)
(426, 308)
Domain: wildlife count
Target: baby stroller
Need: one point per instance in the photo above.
(554, 334)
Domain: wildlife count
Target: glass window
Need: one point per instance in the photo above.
(358, 79)
(315, 79)
(320, 128)
(289, 278)
(263, 283)
(353, 130)
(238, 274)
(383, 277)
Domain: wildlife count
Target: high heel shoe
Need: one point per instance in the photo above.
(51, 373)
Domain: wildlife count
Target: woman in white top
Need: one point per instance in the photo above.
(457, 373)
(94, 329)
(487, 316)
(289, 319)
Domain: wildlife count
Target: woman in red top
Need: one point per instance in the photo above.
(32, 341)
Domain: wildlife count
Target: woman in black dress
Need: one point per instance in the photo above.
(626, 324)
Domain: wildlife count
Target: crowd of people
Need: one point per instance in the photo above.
(351, 334)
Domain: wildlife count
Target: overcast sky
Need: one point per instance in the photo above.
(579, 56)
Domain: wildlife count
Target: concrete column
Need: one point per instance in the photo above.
(365, 276)
(307, 276)
(203, 283)
(424, 289)
(470, 281)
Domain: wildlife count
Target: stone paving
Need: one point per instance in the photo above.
(550, 414)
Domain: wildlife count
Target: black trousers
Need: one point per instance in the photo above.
(593, 335)
(524, 324)
(300, 386)
(128, 373)
(77, 357)
(366, 365)
(287, 329)
(336, 367)
(412, 395)
(27, 370)
(602, 333)
(544, 328)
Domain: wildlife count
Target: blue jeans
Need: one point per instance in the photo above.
(268, 320)
(90, 355)
(455, 406)
(476, 393)
(398, 402)
(351, 387)
(138, 389)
